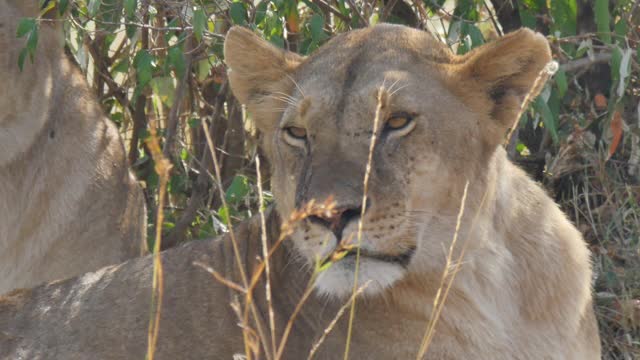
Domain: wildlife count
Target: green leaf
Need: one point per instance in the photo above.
(121, 66)
(223, 212)
(467, 10)
(48, 6)
(616, 58)
(277, 41)
(202, 68)
(21, 57)
(184, 154)
(93, 7)
(238, 189)
(474, 33)
(527, 16)
(144, 64)
(585, 46)
(561, 83)
(624, 70)
(176, 58)
(25, 26)
(130, 7)
(541, 107)
(316, 28)
(261, 11)
(164, 88)
(564, 14)
(238, 13)
(32, 43)
(534, 5)
(194, 123)
(621, 28)
(601, 10)
(62, 6)
(199, 23)
(131, 30)
(434, 5)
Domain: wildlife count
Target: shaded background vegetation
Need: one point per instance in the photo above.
(160, 62)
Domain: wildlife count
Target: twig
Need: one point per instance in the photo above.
(354, 9)
(492, 17)
(578, 64)
(327, 7)
(173, 119)
(386, 11)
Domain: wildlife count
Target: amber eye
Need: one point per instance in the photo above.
(296, 132)
(398, 121)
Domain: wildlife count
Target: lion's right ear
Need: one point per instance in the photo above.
(258, 70)
(504, 72)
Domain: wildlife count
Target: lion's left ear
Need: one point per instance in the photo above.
(506, 71)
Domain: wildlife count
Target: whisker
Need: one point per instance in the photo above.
(286, 96)
(284, 100)
(393, 85)
(400, 88)
(296, 85)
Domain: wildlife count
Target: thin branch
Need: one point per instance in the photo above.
(492, 17)
(327, 7)
(386, 11)
(173, 119)
(579, 64)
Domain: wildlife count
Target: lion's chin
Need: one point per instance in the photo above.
(378, 275)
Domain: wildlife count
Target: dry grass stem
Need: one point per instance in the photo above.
(162, 168)
(333, 322)
(437, 302)
(296, 311)
(541, 79)
(249, 304)
(265, 255)
(367, 173)
(216, 275)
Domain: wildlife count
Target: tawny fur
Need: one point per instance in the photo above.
(68, 203)
(522, 291)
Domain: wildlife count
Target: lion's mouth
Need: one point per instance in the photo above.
(402, 259)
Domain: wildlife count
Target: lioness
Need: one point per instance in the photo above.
(521, 292)
(68, 204)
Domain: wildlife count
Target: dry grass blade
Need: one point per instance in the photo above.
(333, 322)
(438, 302)
(296, 311)
(162, 168)
(236, 252)
(367, 173)
(541, 79)
(265, 255)
(216, 275)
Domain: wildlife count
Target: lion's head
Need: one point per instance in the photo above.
(441, 118)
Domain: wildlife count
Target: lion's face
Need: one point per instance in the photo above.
(439, 118)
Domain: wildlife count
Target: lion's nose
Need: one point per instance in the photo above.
(339, 218)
